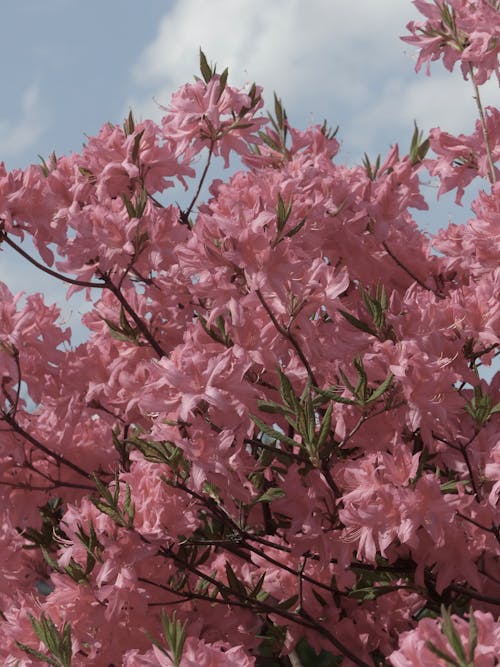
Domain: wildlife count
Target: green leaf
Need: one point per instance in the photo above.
(37, 654)
(359, 324)
(44, 167)
(450, 632)
(481, 408)
(57, 642)
(129, 124)
(135, 149)
(332, 394)
(449, 659)
(272, 433)
(274, 408)
(287, 393)
(278, 110)
(234, 583)
(271, 494)
(283, 213)
(473, 636)
(360, 391)
(288, 603)
(271, 143)
(371, 170)
(381, 389)
(222, 82)
(141, 203)
(129, 206)
(87, 173)
(295, 229)
(254, 593)
(418, 148)
(325, 428)
(205, 69)
(175, 635)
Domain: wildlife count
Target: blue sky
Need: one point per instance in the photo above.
(68, 66)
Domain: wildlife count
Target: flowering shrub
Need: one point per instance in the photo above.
(277, 440)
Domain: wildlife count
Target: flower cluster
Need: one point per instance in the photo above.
(279, 425)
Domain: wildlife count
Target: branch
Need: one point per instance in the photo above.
(45, 269)
(405, 268)
(289, 336)
(184, 215)
(59, 458)
(139, 323)
(491, 166)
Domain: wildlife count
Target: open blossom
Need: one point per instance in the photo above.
(415, 646)
(460, 159)
(213, 115)
(196, 654)
(279, 426)
(464, 31)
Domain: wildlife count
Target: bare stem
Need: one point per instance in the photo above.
(59, 458)
(404, 267)
(45, 269)
(491, 166)
(185, 214)
(139, 323)
(289, 336)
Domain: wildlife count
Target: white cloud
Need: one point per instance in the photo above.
(332, 49)
(443, 100)
(19, 135)
(333, 59)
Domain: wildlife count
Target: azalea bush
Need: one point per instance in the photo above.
(277, 445)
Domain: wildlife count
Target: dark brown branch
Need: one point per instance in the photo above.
(404, 267)
(59, 458)
(141, 325)
(184, 215)
(289, 336)
(45, 269)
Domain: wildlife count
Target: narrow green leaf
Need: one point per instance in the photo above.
(205, 69)
(37, 654)
(129, 124)
(473, 636)
(44, 167)
(271, 143)
(271, 494)
(222, 82)
(449, 659)
(332, 394)
(272, 433)
(325, 428)
(258, 586)
(141, 203)
(135, 149)
(295, 229)
(359, 324)
(288, 603)
(452, 635)
(274, 408)
(234, 583)
(129, 206)
(287, 392)
(381, 389)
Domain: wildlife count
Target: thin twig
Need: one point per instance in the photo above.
(139, 323)
(289, 336)
(185, 214)
(405, 268)
(45, 269)
(492, 175)
(61, 460)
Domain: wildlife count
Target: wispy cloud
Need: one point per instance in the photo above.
(22, 134)
(326, 59)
